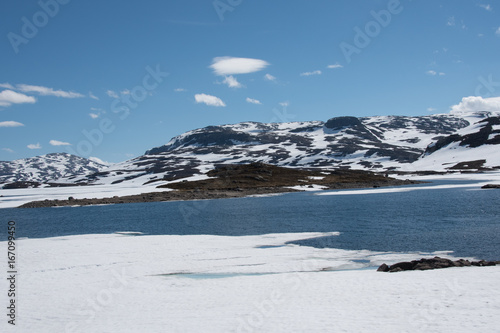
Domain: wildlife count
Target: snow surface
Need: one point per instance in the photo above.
(16, 197)
(118, 283)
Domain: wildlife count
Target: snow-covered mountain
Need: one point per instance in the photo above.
(46, 168)
(381, 144)
(443, 142)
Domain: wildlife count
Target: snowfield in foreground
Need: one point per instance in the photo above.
(120, 283)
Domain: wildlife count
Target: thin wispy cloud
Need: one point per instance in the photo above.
(497, 32)
(180, 90)
(269, 77)
(335, 66)
(209, 100)
(10, 123)
(224, 66)
(91, 95)
(45, 91)
(34, 146)
(7, 86)
(93, 115)
(318, 72)
(112, 94)
(59, 143)
(451, 21)
(9, 97)
(434, 73)
(253, 101)
(8, 150)
(284, 104)
(486, 7)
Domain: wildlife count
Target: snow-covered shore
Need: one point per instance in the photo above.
(203, 283)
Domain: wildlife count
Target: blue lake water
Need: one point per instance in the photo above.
(463, 220)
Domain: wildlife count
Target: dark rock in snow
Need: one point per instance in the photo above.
(433, 263)
(491, 186)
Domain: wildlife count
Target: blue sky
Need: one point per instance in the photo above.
(111, 79)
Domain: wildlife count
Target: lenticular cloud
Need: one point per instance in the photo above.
(232, 65)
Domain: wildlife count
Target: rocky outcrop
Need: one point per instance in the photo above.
(433, 263)
(491, 186)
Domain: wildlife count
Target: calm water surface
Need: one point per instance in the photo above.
(466, 221)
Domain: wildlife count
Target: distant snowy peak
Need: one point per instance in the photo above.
(46, 168)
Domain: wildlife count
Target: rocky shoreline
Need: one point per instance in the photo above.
(237, 181)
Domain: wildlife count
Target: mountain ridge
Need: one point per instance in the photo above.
(382, 144)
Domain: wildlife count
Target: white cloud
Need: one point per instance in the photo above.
(231, 65)
(180, 90)
(477, 103)
(253, 101)
(98, 160)
(34, 146)
(311, 73)
(9, 97)
(112, 94)
(434, 73)
(334, 66)
(59, 143)
(269, 77)
(232, 82)
(8, 150)
(125, 92)
(209, 100)
(91, 95)
(285, 104)
(431, 109)
(10, 124)
(93, 115)
(487, 7)
(44, 91)
(451, 21)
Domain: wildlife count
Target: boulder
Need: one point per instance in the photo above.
(383, 268)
